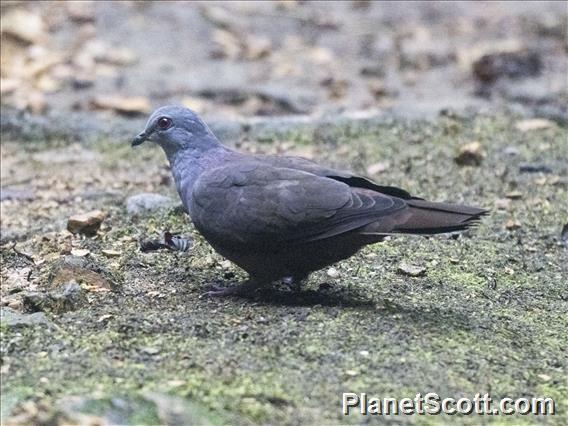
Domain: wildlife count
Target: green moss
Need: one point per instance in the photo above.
(488, 316)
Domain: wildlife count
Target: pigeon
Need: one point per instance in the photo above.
(283, 217)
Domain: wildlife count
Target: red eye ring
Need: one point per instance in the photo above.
(164, 123)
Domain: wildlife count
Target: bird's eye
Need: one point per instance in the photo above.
(164, 123)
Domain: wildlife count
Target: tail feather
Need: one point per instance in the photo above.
(436, 218)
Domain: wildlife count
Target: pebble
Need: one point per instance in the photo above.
(86, 223)
(513, 224)
(147, 202)
(332, 273)
(470, 154)
(12, 318)
(411, 270)
(534, 124)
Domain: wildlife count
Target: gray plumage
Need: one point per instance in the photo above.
(278, 216)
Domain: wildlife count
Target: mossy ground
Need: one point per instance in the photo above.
(490, 315)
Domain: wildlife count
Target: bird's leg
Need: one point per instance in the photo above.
(244, 288)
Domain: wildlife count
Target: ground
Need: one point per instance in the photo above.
(95, 330)
(488, 315)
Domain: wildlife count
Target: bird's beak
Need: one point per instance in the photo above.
(139, 139)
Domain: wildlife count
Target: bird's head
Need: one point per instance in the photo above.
(176, 128)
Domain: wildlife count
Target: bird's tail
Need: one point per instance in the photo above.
(425, 218)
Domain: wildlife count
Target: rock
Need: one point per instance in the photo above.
(68, 297)
(79, 270)
(515, 64)
(86, 223)
(470, 154)
(534, 124)
(147, 202)
(513, 224)
(332, 272)
(13, 318)
(411, 270)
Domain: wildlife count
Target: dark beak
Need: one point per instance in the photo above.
(139, 139)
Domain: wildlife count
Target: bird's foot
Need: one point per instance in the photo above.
(294, 283)
(239, 289)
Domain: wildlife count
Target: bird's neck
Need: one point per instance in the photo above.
(188, 164)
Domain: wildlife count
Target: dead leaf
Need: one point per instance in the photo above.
(111, 253)
(136, 105)
(534, 124)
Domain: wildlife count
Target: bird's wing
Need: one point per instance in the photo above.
(346, 177)
(258, 204)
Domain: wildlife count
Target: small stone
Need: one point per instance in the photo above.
(377, 168)
(411, 270)
(544, 377)
(147, 202)
(80, 252)
(502, 203)
(514, 195)
(513, 224)
(87, 223)
(226, 264)
(512, 151)
(352, 373)
(150, 350)
(13, 318)
(471, 154)
(364, 353)
(109, 253)
(332, 273)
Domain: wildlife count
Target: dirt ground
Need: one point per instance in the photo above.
(95, 330)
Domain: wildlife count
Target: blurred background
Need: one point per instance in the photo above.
(286, 57)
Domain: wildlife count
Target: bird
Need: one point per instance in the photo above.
(283, 217)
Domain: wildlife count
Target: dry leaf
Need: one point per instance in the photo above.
(124, 105)
(110, 253)
(534, 124)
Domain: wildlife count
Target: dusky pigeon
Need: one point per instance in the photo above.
(280, 217)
